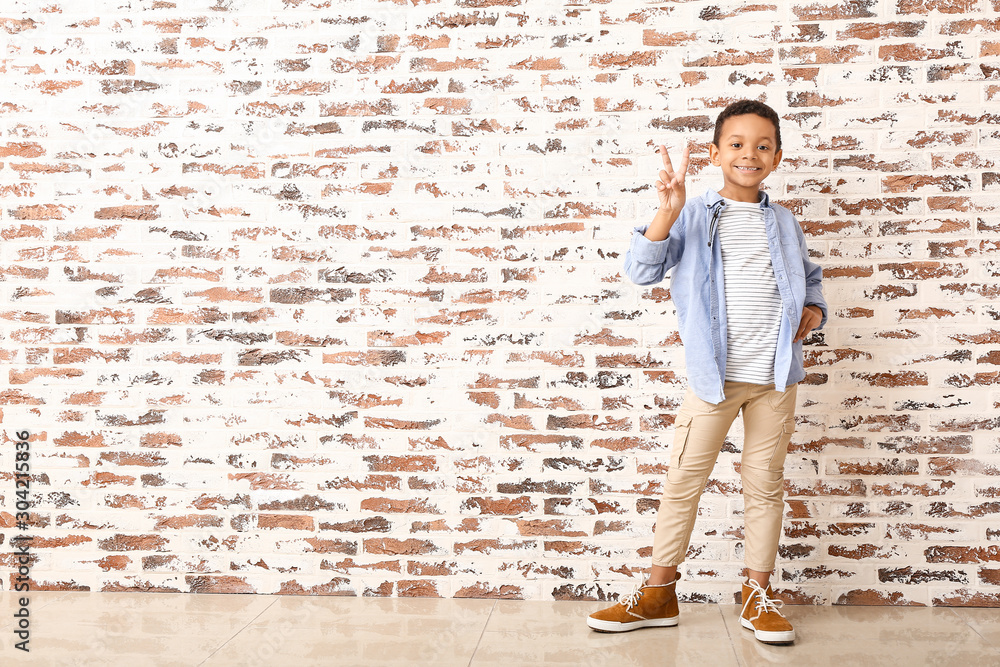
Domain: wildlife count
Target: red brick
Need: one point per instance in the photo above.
(870, 30)
(218, 584)
(928, 6)
(483, 590)
(823, 55)
(830, 10)
(500, 506)
(868, 596)
(732, 56)
(962, 554)
(923, 270)
(863, 551)
(967, 598)
(879, 467)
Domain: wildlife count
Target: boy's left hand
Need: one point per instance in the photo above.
(811, 317)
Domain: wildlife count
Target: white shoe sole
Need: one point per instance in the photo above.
(769, 636)
(613, 626)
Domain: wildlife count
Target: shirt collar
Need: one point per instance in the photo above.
(713, 198)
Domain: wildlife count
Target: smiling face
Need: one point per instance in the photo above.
(747, 152)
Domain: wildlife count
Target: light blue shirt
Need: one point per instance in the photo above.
(692, 254)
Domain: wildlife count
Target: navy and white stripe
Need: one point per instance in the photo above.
(753, 304)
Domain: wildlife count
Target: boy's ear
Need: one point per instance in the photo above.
(777, 159)
(713, 155)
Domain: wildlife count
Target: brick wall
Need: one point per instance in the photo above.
(305, 296)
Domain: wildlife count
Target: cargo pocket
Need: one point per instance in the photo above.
(682, 428)
(777, 461)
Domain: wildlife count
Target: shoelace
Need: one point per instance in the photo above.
(764, 603)
(632, 599)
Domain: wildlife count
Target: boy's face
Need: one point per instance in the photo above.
(747, 153)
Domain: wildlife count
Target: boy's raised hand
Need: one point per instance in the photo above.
(670, 185)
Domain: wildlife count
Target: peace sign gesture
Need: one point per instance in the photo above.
(670, 185)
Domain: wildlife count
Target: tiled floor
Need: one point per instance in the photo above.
(152, 629)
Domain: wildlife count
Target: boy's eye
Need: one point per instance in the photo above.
(735, 145)
(763, 148)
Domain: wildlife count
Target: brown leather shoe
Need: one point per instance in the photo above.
(760, 614)
(645, 607)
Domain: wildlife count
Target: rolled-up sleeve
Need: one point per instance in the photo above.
(647, 261)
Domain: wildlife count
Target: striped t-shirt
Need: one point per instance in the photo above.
(753, 304)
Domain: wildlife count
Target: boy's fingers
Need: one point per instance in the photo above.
(685, 158)
(806, 324)
(667, 165)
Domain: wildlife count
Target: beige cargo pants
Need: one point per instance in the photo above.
(700, 430)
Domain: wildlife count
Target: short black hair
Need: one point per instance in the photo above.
(742, 107)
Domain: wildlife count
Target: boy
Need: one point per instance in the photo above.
(746, 296)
